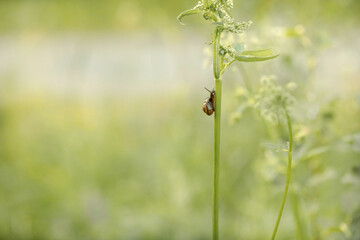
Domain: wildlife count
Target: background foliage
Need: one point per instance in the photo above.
(102, 134)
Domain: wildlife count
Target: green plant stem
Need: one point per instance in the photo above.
(288, 174)
(225, 66)
(296, 213)
(217, 122)
(216, 55)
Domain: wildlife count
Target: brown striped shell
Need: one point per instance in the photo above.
(209, 104)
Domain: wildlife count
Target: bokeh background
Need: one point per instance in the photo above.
(102, 134)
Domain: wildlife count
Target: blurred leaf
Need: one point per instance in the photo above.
(315, 152)
(256, 56)
(297, 31)
(342, 228)
(322, 177)
(276, 147)
(355, 225)
(187, 13)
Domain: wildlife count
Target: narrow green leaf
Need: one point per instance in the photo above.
(259, 53)
(254, 59)
(187, 13)
(256, 56)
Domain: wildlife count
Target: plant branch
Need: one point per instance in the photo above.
(226, 65)
(288, 174)
(296, 213)
(217, 123)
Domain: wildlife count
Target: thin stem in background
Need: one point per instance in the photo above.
(288, 174)
(294, 201)
(245, 78)
(217, 122)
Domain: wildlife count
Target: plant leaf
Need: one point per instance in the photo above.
(256, 56)
(187, 13)
(259, 53)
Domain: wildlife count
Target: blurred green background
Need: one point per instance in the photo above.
(102, 134)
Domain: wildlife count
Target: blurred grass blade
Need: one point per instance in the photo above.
(315, 152)
(187, 13)
(256, 56)
(276, 147)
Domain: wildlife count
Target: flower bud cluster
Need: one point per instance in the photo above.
(200, 5)
(227, 50)
(236, 27)
(221, 10)
(270, 99)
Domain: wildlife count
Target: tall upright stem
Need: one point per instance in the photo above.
(288, 174)
(216, 54)
(217, 122)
